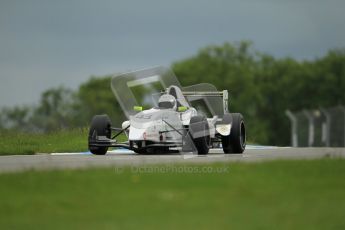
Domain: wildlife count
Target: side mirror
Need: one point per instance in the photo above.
(138, 108)
(182, 108)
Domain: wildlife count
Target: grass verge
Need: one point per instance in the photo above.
(271, 195)
(74, 140)
(67, 140)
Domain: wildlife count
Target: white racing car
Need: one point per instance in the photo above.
(177, 119)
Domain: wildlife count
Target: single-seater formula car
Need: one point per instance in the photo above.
(176, 119)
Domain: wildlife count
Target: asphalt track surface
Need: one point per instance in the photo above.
(122, 158)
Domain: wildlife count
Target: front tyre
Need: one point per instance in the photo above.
(200, 134)
(100, 126)
(236, 141)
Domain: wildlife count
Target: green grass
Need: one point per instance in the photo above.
(272, 195)
(68, 140)
(74, 140)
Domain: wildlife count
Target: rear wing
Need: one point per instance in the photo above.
(204, 94)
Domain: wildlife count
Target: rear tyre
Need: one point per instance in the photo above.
(236, 141)
(157, 150)
(139, 150)
(200, 133)
(100, 126)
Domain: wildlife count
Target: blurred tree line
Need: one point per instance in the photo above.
(261, 87)
(62, 108)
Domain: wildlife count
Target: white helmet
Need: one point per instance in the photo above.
(167, 101)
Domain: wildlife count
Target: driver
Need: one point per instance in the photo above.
(167, 101)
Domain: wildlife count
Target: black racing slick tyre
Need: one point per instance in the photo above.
(200, 134)
(138, 150)
(100, 126)
(236, 141)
